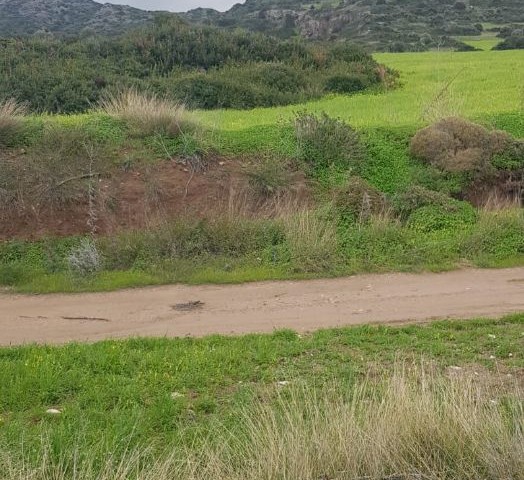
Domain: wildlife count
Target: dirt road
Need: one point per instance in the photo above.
(260, 307)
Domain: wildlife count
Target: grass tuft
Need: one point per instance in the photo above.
(147, 114)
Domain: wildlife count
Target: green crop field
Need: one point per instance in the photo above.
(483, 84)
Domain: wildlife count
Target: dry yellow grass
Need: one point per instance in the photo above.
(11, 112)
(412, 425)
(147, 114)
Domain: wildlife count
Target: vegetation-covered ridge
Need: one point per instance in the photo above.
(411, 25)
(70, 17)
(202, 67)
(140, 178)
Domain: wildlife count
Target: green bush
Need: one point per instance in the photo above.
(417, 197)
(511, 159)
(346, 84)
(356, 199)
(205, 91)
(438, 218)
(324, 142)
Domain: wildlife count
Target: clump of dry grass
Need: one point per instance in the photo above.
(312, 241)
(457, 145)
(415, 424)
(268, 175)
(148, 114)
(11, 113)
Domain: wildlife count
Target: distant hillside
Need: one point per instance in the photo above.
(21, 17)
(382, 24)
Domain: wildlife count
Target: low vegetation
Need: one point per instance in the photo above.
(338, 203)
(249, 407)
(10, 121)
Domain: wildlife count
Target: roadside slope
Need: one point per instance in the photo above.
(260, 307)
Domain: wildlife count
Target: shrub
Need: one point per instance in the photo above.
(268, 175)
(437, 218)
(10, 121)
(85, 259)
(202, 90)
(147, 114)
(511, 159)
(417, 197)
(324, 142)
(189, 239)
(57, 170)
(456, 145)
(356, 199)
(346, 84)
(281, 78)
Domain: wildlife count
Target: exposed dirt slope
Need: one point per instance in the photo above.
(260, 307)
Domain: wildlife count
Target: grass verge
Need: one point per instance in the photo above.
(330, 403)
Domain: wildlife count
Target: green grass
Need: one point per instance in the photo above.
(482, 42)
(488, 83)
(118, 395)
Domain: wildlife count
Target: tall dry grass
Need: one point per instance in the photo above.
(412, 425)
(147, 113)
(312, 241)
(11, 113)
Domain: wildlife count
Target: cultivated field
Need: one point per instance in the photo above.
(478, 85)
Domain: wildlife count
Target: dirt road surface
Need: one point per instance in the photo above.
(260, 307)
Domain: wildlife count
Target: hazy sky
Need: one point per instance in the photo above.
(176, 5)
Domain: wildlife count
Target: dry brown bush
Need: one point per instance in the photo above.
(457, 145)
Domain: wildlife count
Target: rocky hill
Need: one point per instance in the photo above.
(382, 24)
(21, 17)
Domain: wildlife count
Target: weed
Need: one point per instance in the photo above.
(85, 260)
(268, 175)
(312, 242)
(11, 124)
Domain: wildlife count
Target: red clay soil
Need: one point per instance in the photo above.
(140, 198)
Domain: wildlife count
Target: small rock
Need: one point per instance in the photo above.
(53, 411)
(221, 163)
(492, 357)
(283, 383)
(510, 355)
